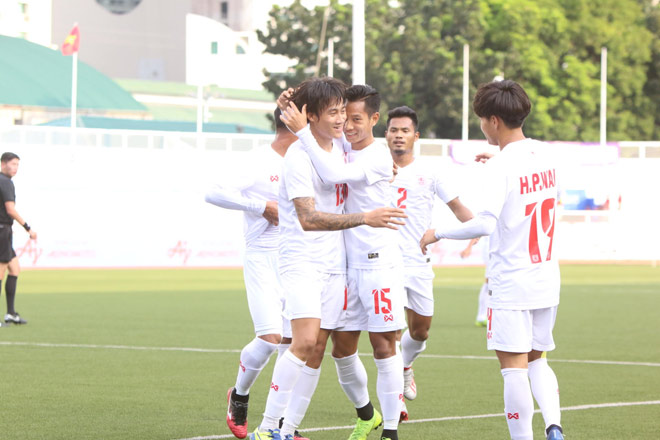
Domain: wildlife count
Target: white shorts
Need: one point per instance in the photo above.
(521, 331)
(314, 294)
(264, 293)
(418, 284)
(375, 300)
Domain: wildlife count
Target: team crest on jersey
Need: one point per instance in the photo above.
(421, 181)
(274, 178)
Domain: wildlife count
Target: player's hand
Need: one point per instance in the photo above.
(385, 218)
(271, 212)
(283, 99)
(427, 239)
(395, 171)
(294, 119)
(466, 252)
(33, 234)
(483, 157)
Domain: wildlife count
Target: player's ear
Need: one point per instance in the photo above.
(375, 118)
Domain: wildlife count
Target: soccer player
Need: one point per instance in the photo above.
(8, 213)
(414, 190)
(523, 277)
(255, 192)
(482, 307)
(312, 255)
(375, 296)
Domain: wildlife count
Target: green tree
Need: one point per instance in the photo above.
(414, 51)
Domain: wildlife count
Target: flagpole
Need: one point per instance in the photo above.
(74, 89)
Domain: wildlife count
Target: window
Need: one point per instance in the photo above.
(214, 47)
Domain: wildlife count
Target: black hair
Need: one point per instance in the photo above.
(365, 93)
(279, 125)
(6, 157)
(403, 112)
(319, 94)
(505, 99)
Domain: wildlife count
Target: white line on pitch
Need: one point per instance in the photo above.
(217, 350)
(118, 347)
(445, 419)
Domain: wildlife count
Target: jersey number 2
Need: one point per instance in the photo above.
(404, 196)
(547, 224)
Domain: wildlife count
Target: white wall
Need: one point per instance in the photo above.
(144, 207)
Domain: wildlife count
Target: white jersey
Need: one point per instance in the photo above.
(249, 191)
(521, 192)
(414, 190)
(367, 247)
(325, 249)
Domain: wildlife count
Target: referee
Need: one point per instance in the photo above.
(9, 166)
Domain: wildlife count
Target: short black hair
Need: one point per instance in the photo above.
(6, 157)
(505, 99)
(403, 112)
(319, 94)
(365, 93)
(279, 125)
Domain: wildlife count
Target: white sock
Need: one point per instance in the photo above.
(285, 375)
(518, 403)
(300, 398)
(482, 311)
(353, 379)
(410, 349)
(254, 358)
(545, 390)
(282, 348)
(389, 387)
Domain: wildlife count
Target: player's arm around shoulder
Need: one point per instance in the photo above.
(313, 220)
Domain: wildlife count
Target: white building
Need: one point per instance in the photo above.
(149, 39)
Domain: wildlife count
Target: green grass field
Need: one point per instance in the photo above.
(149, 354)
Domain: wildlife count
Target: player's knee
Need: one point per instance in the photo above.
(420, 334)
(303, 347)
(273, 338)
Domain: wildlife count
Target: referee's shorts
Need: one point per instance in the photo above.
(6, 247)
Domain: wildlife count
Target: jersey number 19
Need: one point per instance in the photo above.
(547, 228)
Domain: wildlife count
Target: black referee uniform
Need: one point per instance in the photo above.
(7, 194)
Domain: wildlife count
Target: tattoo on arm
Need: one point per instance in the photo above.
(313, 220)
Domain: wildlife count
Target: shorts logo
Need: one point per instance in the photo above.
(388, 318)
(275, 387)
(240, 364)
(372, 255)
(274, 178)
(513, 416)
(401, 397)
(489, 335)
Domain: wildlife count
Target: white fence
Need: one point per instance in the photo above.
(110, 198)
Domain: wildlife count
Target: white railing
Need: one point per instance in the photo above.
(111, 138)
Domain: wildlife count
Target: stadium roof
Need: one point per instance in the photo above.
(156, 125)
(33, 75)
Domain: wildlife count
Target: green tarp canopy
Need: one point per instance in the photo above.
(33, 75)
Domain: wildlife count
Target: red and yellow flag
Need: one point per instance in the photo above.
(72, 42)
